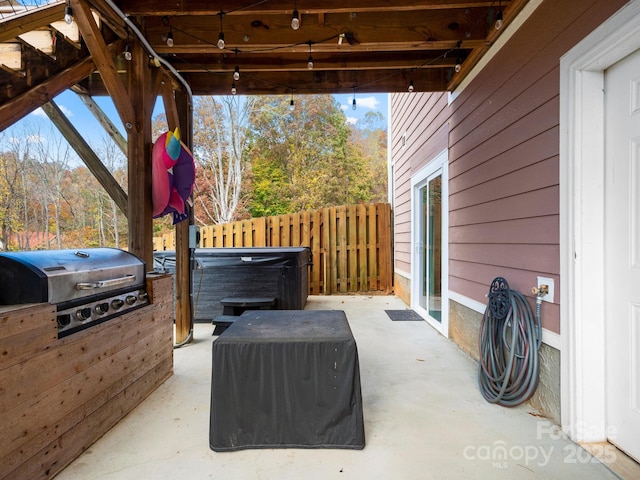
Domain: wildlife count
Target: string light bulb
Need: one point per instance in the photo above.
(499, 16)
(310, 61)
(291, 102)
(236, 71)
(128, 56)
(353, 103)
(410, 86)
(295, 20)
(68, 14)
(458, 66)
(170, 38)
(221, 34)
(233, 88)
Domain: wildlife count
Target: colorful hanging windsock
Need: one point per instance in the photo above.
(174, 173)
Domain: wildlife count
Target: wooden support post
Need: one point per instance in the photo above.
(184, 315)
(139, 154)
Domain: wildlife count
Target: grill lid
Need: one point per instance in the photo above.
(57, 276)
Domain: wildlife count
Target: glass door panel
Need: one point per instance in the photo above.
(431, 247)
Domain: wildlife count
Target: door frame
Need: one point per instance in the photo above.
(582, 216)
(439, 163)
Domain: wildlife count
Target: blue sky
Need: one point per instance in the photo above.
(364, 103)
(84, 121)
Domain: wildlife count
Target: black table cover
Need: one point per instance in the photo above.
(286, 378)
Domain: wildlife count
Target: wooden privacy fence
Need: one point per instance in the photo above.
(350, 245)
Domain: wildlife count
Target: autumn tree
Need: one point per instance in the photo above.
(53, 156)
(9, 196)
(301, 157)
(219, 149)
(370, 134)
(21, 212)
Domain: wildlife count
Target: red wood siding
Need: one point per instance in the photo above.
(423, 118)
(503, 139)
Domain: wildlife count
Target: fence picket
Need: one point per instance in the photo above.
(350, 245)
(363, 281)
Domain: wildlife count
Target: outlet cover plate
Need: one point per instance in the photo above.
(547, 281)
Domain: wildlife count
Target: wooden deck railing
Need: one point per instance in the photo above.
(350, 245)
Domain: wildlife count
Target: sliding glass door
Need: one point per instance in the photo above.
(430, 244)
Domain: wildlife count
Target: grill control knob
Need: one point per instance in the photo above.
(64, 320)
(131, 299)
(117, 303)
(102, 308)
(83, 313)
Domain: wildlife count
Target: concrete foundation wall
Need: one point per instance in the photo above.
(402, 288)
(464, 328)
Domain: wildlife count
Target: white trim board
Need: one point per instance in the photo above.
(548, 337)
(402, 273)
(582, 319)
(513, 27)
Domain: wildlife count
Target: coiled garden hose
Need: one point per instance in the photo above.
(509, 339)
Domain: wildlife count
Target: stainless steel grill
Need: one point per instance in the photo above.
(87, 286)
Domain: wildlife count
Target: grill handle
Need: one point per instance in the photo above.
(106, 283)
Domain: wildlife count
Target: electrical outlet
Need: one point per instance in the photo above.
(194, 236)
(549, 283)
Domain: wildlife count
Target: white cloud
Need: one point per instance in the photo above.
(361, 102)
(352, 120)
(367, 102)
(66, 111)
(40, 113)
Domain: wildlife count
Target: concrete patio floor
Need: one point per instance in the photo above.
(424, 419)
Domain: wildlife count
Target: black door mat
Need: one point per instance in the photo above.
(403, 315)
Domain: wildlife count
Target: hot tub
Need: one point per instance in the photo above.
(278, 272)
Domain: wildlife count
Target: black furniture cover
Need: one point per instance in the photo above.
(286, 378)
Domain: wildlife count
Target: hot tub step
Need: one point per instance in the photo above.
(237, 305)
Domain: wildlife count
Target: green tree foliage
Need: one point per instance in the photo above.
(255, 157)
(302, 158)
(371, 134)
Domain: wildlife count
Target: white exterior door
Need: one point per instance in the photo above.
(622, 253)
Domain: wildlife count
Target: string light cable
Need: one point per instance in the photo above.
(309, 44)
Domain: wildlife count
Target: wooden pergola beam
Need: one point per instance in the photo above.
(170, 109)
(102, 119)
(31, 20)
(206, 7)
(88, 156)
(104, 62)
(29, 101)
